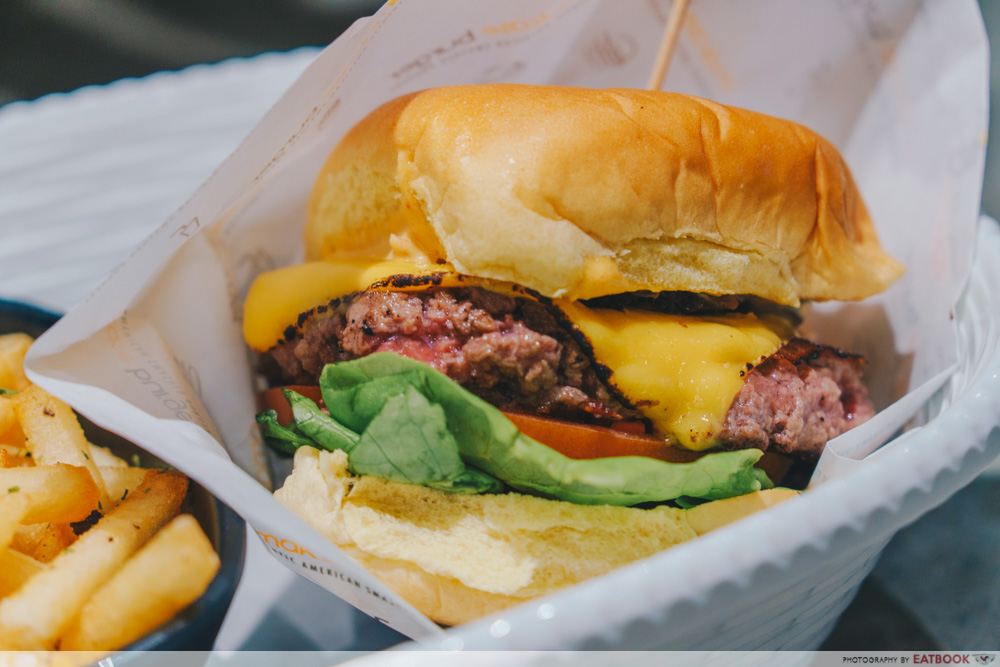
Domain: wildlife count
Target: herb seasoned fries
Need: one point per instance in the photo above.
(73, 520)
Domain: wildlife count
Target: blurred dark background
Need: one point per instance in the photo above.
(60, 45)
(51, 46)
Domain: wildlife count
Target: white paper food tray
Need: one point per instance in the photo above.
(780, 579)
(156, 353)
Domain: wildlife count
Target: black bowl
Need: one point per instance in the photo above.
(195, 628)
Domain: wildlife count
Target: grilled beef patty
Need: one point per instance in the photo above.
(797, 399)
(515, 354)
(511, 352)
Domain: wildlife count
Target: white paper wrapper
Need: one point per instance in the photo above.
(156, 352)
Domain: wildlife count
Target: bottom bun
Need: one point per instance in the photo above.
(457, 558)
(442, 599)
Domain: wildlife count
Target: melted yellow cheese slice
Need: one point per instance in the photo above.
(681, 371)
(276, 298)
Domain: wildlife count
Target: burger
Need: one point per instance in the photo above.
(544, 331)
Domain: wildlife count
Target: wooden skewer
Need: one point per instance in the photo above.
(667, 45)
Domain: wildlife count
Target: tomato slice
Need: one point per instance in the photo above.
(636, 428)
(273, 399)
(577, 441)
(586, 441)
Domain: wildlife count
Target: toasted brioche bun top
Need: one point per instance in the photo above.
(582, 193)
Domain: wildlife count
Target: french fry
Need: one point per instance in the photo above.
(15, 457)
(43, 541)
(10, 428)
(53, 434)
(37, 613)
(10, 457)
(105, 459)
(163, 577)
(8, 418)
(14, 437)
(56, 552)
(57, 493)
(15, 451)
(15, 569)
(12, 509)
(120, 482)
(12, 350)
